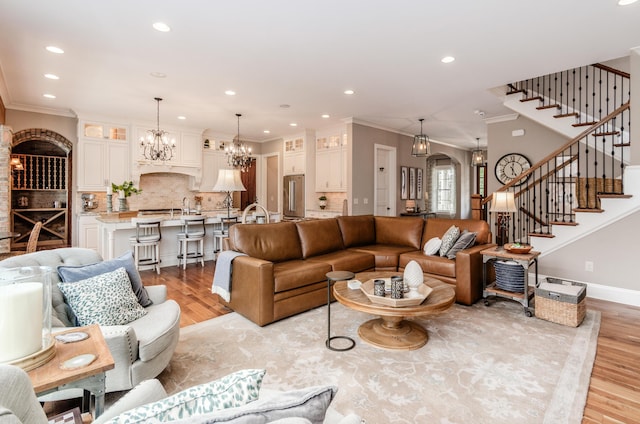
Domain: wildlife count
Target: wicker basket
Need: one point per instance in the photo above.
(557, 304)
(588, 198)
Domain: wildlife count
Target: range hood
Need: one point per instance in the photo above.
(148, 167)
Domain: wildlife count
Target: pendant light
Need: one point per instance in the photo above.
(421, 147)
(477, 155)
(157, 145)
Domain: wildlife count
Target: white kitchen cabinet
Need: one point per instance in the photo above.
(331, 161)
(212, 162)
(103, 152)
(187, 151)
(321, 214)
(88, 232)
(190, 149)
(294, 158)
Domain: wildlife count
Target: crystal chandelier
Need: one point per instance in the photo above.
(238, 154)
(477, 156)
(421, 147)
(157, 145)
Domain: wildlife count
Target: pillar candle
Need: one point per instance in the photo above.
(109, 189)
(121, 194)
(20, 320)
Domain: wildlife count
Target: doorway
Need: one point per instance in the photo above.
(384, 180)
(249, 181)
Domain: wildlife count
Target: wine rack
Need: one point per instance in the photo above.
(40, 173)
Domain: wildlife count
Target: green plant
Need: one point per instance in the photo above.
(126, 187)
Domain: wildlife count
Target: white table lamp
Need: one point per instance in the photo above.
(229, 181)
(504, 204)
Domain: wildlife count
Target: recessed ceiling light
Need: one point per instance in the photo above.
(266, 132)
(52, 76)
(293, 124)
(285, 106)
(49, 96)
(230, 93)
(626, 2)
(182, 118)
(447, 59)
(158, 74)
(161, 26)
(326, 115)
(54, 49)
(349, 92)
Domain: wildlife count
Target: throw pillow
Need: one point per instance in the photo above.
(449, 239)
(105, 299)
(432, 246)
(76, 273)
(231, 391)
(310, 403)
(465, 240)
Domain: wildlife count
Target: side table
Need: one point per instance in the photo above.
(50, 377)
(525, 260)
(336, 276)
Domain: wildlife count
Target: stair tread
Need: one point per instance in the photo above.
(566, 115)
(544, 235)
(600, 134)
(622, 145)
(565, 223)
(529, 99)
(584, 124)
(516, 92)
(614, 196)
(589, 210)
(557, 106)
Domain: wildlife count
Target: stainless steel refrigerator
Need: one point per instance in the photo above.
(293, 198)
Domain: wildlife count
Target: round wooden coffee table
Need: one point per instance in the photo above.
(392, 330)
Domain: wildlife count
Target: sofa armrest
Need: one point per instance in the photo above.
(469, 274)
(146, 392)
(157, 294)
(252, 289)
(123, 344)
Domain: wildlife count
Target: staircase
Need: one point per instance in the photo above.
(585, 184)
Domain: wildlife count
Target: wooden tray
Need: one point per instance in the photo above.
(423, 290)
(522, 249)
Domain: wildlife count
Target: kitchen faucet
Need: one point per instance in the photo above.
(185, 210)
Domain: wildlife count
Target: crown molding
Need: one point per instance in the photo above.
(502, 118)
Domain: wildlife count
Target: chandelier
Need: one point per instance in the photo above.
(157, 145)
(421, 147)
(477, 156)
(238, 154)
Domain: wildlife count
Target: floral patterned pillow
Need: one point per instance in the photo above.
(106, 299)
(231, 391)
(449, 239)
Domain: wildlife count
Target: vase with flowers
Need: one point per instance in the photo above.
(322, 202)
(125, 190)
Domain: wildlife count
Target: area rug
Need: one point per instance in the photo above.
(481, 364)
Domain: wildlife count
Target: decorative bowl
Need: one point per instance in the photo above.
(517, 248)
(423, 293)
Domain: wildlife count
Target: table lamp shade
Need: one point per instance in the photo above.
(229, 180)
(503, 201)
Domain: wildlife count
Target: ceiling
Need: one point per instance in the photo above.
(299, 53)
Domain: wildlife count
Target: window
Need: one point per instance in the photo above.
(481, 180)
(445, 184)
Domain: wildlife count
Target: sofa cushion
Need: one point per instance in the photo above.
(432, 246)
(156, 330)
(347, 260)
(309, 403)
(437, 228)
(272, 242)
(231, 391)
(399, 231)
(434, 265)
(70, 273)
(385, 256)
(105, 299)
(293, 274)
(357, 230)
(319, 236)
(466, 239)
(449, 239)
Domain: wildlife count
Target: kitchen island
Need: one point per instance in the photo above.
(114, 232)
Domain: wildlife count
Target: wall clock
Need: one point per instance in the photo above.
(511, 166)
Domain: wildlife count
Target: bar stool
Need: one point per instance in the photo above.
(146, 243)
(223, 232)
(334, 276)
(193, 231)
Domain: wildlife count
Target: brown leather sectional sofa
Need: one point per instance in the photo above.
(284, 272)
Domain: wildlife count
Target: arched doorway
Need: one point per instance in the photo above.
(40, 187)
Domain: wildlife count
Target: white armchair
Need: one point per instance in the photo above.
(140, 349)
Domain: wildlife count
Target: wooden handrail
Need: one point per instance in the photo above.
(559, 150)
(612, 70)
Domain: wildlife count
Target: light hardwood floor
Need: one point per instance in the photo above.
(614, 391)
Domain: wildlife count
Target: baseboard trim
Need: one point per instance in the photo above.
(602, 292)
